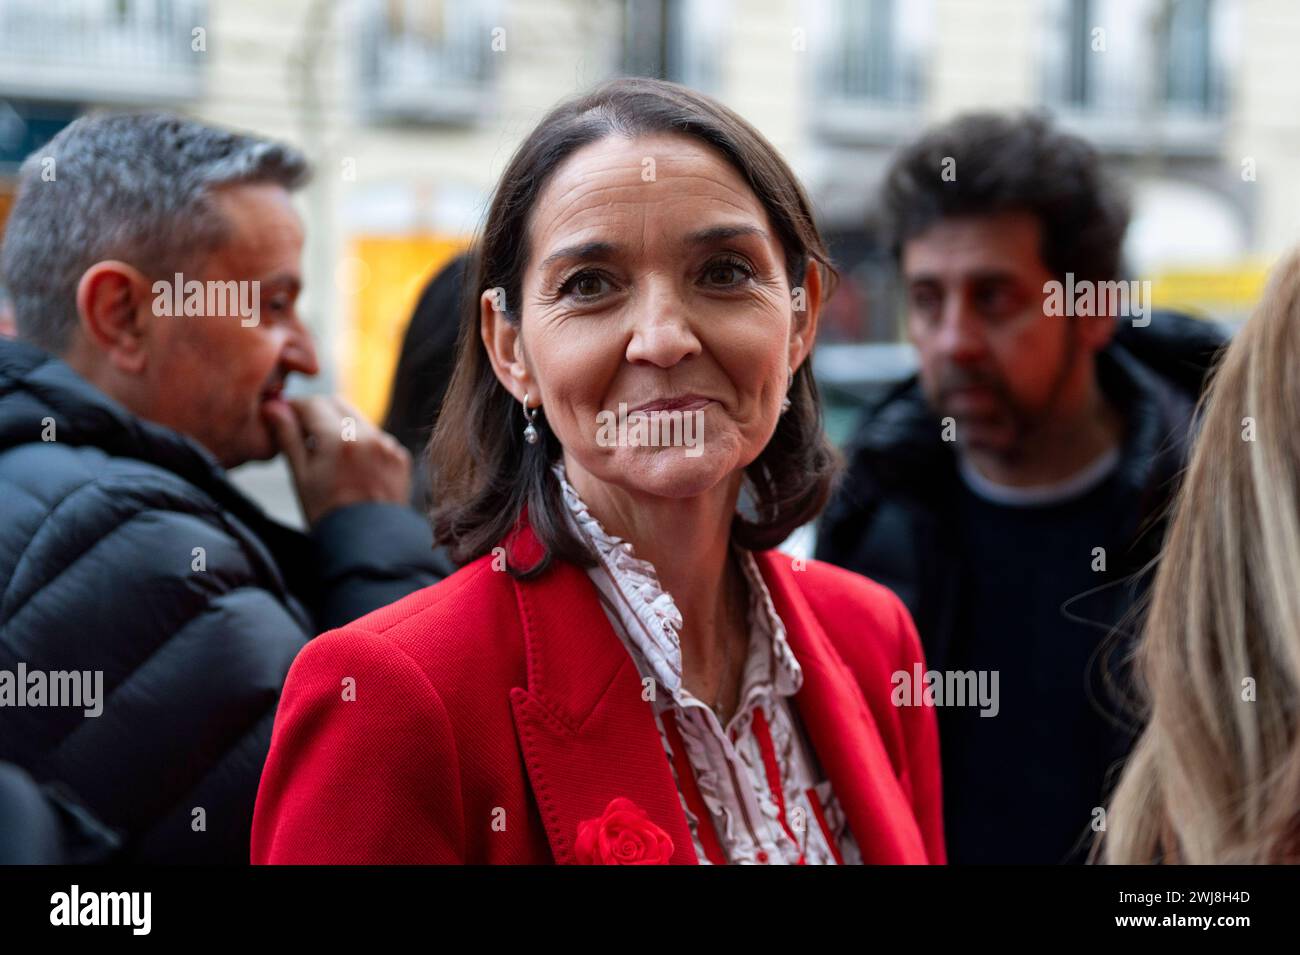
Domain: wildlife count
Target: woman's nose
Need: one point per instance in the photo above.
(662, 334)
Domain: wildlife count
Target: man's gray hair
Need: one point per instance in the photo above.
(135, 187)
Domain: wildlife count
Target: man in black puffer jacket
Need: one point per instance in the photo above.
(154, 266)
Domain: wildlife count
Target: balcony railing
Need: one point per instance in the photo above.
(428, 62)
(110, 51)
(868, 79)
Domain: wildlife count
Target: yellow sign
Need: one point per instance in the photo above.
(1234, 289)
(386, 276)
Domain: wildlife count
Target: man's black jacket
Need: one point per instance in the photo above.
(899, 518)
(892, 516)
(125, 549)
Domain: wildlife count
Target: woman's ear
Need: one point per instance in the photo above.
(504, 345)
(806, 307)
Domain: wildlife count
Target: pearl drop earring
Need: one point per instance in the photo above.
(530, 415)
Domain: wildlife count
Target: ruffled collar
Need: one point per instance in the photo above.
(657, 637)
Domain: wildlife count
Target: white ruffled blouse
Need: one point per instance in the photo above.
(757, 778)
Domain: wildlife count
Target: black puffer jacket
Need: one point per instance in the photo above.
(100, 570)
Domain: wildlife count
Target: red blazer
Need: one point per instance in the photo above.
(481, 719)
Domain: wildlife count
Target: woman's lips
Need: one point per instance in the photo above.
(684, 403)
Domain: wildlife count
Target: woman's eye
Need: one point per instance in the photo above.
(586, 285)
(724, 274)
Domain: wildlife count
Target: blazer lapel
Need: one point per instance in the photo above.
(586, 733)
(842, 730)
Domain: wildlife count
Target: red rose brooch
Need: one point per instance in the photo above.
(623, 835)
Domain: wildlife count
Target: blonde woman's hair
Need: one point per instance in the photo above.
(1215, 776)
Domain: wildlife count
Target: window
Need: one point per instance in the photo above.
(1130, 57)
(873, 51)
(675, 40)
(1191, 81)
(867, 62)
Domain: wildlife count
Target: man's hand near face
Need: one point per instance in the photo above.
(337, 457)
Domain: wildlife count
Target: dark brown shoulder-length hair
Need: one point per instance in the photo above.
(483, 474)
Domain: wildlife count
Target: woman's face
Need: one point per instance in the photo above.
(655, 286)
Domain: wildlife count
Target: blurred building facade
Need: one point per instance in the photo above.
(410, 109)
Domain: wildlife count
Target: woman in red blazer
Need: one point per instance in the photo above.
(624, 671)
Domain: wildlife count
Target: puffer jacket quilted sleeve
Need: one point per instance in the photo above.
(125, 554)
(113, 565)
